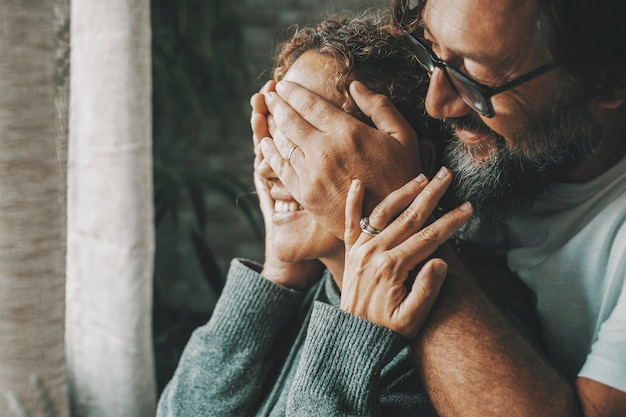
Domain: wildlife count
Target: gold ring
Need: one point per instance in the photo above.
(293, 148)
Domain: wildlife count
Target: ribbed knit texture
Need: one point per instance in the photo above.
(225, 361)
(258, 304)
(338, 367)
(272, 352)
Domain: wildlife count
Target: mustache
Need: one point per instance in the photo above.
(472, 123)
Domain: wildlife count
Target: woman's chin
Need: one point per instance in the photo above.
(290, 256)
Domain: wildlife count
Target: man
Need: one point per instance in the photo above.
(534, 92)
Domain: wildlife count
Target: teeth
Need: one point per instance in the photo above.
(286, 207)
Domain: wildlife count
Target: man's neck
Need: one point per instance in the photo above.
(610, 151)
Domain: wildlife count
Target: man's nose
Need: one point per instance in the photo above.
(442, 100)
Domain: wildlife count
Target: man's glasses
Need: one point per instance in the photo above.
(475, 95)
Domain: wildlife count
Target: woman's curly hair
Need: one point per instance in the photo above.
(368, 49)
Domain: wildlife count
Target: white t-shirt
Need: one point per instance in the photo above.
(570, 249)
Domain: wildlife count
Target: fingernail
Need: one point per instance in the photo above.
(280, 87)
(421, 178)
(465, 206)
(269, 96)
(443, 172)
(440, 269)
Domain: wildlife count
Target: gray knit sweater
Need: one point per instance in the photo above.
(271, 351)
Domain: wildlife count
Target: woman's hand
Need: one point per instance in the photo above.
(299, 275)
(376, 283)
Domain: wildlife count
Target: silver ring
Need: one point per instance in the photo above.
(366, 227)
(293, 148)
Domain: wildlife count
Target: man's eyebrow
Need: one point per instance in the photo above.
(483, 59)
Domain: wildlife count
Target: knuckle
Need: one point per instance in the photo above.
(283, 123)
(381, 212)
(405, 327)
(361, 256)
(429, 234)
(429, 192)
(388, 262)
(425, 289)
(412, 218)
(454, 219)
(382, 101)
(351, 228)
(307, 105)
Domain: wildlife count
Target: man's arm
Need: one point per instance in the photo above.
(474, 363)
(599, 400)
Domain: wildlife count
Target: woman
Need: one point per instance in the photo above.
(300, 335)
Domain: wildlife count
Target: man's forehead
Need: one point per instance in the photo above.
(475, 27)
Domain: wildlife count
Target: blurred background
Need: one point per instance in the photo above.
(208, 58)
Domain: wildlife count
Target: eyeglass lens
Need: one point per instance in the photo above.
(470, 95)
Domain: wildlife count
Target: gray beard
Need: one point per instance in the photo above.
(508, 181)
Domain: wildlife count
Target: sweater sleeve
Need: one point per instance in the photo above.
(339, 371)
(224, 362)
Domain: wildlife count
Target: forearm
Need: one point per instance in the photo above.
(474, 363)
(224, 363)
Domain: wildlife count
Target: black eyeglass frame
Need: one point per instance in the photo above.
(485, 92)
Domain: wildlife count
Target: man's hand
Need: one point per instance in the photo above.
(334, 147)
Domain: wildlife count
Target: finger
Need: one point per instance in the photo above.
(424, 292)
(258, 123)
(257, 102)
(288, 120)
(384, 114)
(264, 170)
(395, 202)
(422, 244)
(266, 203)
(268, 86)
(283, 169)
(354, 204)
(258, 118)
(419, 211)
(283, 144)
(258, 156)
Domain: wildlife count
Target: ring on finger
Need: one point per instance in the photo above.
(366, 227)
(293, 148)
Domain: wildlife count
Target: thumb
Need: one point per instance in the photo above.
(424, 293)
(385, 116)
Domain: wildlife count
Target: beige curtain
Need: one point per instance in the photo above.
(75, 294)
(110, 214)
(32, 214)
